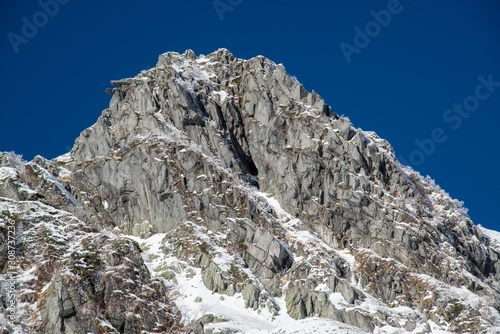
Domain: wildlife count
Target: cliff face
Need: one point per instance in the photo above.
(228, 172)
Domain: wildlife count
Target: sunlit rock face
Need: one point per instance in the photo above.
(217, 195)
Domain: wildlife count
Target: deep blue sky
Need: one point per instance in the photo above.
(400, 85)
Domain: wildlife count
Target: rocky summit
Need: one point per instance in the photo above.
(217, 195)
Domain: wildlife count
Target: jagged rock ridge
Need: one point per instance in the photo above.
(239, 177)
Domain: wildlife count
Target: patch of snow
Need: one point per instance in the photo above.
(64, 158)
(7, 172)
(53, 179)
(347, 256)
(493, 235)
(64, 172)
(222, 95)
(240, 319)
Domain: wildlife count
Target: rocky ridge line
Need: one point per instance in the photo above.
(273, 196)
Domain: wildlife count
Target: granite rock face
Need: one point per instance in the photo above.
(224, 155)
(74, 279)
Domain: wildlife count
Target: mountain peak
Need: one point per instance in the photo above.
(227, 181)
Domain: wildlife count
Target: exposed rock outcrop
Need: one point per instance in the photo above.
(263, 189)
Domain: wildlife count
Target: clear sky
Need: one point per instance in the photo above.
(423, 74)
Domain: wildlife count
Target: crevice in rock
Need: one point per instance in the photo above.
(246, 159)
